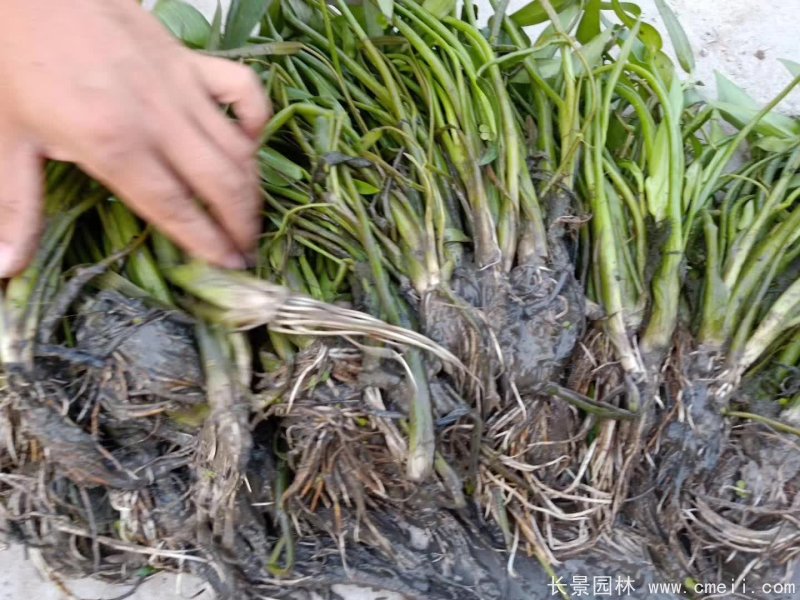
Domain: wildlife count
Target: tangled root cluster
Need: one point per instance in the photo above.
(119, 458)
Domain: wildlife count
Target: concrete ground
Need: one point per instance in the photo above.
(742, 39)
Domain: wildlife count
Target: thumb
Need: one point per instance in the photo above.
(20, 204)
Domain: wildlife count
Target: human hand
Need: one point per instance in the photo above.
(101, 83)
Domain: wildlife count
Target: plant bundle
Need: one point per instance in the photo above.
(514, 303)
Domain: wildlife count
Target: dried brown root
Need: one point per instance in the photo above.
(744, 521)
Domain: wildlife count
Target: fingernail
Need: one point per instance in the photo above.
(234, 261)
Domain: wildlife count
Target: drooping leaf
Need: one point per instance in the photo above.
(184, 21)
(663, 67)
(439, 8)
(729, 92)
(738, 107)
(534, 13)
(680, 43)
(775, 144)
(243, 16)
(589, 27)
(629, 14)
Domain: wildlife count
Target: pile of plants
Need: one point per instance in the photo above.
(518, 300)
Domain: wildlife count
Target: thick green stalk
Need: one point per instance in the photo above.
(635, 213)
(598, 100)
(121, 228)
(666, 284)
(785, 309)
(715, 296)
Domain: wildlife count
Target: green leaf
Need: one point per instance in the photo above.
(375, 20)
(589, 27)
(146, 571)
(650, 37)
(746, 216)
(297, 95)
(489, 155)
(663, 67)
(514, 58)
(730, 93)
(364, 188)
(387, 8)
(617, 135)
(259, 50)
(304, 12)
(683, 50)
(323, 134)
(215, 37)
(629, 13)
(534, 13)
(775, 145)
(184, 21)
(592, 53)
(274, 177)
(692, 181)
(243, 16)
(547, 68)
(288, 169)
(453, 235)
(692, 96)
(656, 185)
(675, 96)
(370, 138)
(439, 8)
(739, 109)
(791, 66)
(567, 16)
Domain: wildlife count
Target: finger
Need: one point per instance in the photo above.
(20, 206)
(149, 186)
(231, 83)
(229, 190)
(224, 132)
